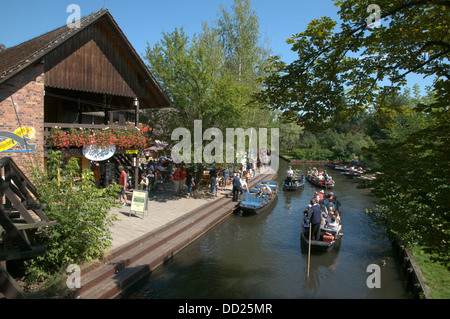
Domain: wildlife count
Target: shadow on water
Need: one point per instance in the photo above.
(260, 256)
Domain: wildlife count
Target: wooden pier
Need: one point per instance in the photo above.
(141, 243)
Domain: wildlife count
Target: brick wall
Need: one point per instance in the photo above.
(27, 91)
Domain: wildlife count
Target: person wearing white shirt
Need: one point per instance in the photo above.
(244, 186)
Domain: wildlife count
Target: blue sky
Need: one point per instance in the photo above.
(144, 21)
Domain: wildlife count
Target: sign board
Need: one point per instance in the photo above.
(139, 202)
(18, 137)
(132, 152)
(98, 153)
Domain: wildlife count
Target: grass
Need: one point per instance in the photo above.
(436, 275)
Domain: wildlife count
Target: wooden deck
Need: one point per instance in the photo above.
(142, 243)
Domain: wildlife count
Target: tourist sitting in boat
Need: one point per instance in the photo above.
(321, 194)
(338, 217)
(330, 208)
(333, 225)
(316, 196)
(332, 199)
(267, 190)
(323, 208)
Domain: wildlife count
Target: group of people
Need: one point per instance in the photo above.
(239, 185)
(220, 177)
(323, 212)
(158, 172)
(320, 175)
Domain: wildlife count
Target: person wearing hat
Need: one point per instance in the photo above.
(236, 187)
(321, 194)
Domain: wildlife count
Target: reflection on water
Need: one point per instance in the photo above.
(259, 256)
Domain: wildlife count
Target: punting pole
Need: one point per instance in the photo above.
(309, 250)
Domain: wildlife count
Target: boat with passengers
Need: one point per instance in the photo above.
(295, 182)
(330, 233)
(320, 178)
(259, 198)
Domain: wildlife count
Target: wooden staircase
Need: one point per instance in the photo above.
(19, 214)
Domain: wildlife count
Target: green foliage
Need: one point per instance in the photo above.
(330, 145)
(341, 74)
(312, 154)
(81, 210)
(413, 184)
(437, 276)
(211, 76)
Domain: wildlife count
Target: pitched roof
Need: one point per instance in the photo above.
(17, 58)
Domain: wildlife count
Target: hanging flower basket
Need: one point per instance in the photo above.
(76, 138)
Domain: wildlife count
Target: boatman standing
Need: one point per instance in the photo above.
(236, 187)
(316, 219)
(289, 175)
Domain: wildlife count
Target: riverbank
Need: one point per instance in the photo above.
(294, 161)
(141, 243)
(437, 276)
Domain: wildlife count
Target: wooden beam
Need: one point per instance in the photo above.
(136, 108)
(14, 254)
(13, 233)
(30, 200)
(15, 202)
(23, 177)
(32, 226)
(9, 286)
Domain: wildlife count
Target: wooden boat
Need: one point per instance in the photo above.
(320, 182)
(340, 167)
(254, 202)
(332, 164)
(329, 239)
(297, 181)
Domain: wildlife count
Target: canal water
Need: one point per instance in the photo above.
(259, 256)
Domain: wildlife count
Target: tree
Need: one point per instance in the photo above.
(290, 135)
(211, 76)
(414, 182)
(338, 74)
(82, 213)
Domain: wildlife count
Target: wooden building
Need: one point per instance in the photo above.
(88, 77)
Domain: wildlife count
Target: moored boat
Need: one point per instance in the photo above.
(256, 200)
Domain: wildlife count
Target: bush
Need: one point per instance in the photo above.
(81, 210)
(312, 154)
